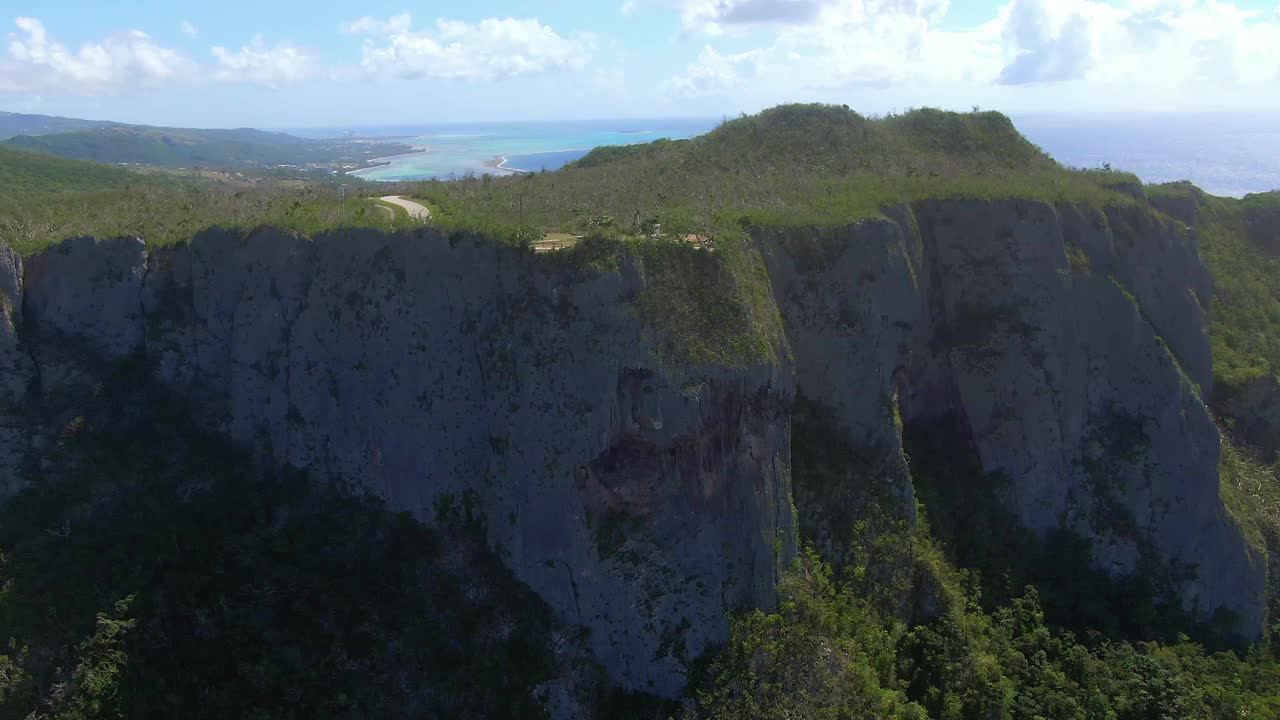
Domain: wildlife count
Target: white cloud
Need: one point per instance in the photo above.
(1124, 47)
(258, 64)
(36, 61)
(713, 73)
(849, 43)
(717, 17)
(628, 8)
(396, 24)
(1161, 43)
(189, 29)
(491, 48)
(1049, 44)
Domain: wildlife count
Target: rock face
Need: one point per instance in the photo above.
(851, 303)
(16, 373)
(639, 497)
(1068, 390)
(1066, 348)
(640, 502)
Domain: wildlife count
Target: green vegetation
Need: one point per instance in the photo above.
(27, 176)
(396, 212)
(165, 213)
(1251, 492)
(1245, 327)
(795, 165)
(151, 573)
(827, 653)
(892, 630)
(242, 149)
(26, 124)
(712, 308)
(980, 534)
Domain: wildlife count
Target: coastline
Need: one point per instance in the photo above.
(388, 159)
(499, 162)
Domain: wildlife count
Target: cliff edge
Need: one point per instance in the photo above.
(637, 477)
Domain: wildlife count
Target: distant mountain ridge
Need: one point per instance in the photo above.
(13, 124)
(241, 148)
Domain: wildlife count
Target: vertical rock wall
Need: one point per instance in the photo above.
(1065, 347)
(643, 499)
(641, 502)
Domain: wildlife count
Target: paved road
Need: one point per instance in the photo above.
(416, 211)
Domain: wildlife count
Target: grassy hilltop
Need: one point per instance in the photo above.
(792, 165)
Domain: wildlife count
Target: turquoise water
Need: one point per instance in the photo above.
(454, 151)
(1225, 154)
(536, 162)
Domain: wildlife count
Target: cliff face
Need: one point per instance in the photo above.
(642, 498)
(851, 304)
(1068, 390)
(1061, 349)
(15, 374)
(639, 502)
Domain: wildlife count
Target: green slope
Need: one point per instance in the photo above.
(12, 124)
(185, 147)
(794, 165)
(26, 175)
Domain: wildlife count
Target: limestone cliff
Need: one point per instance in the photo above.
(640, 501)
(642, 495)
(15, 373)
(1065, 349)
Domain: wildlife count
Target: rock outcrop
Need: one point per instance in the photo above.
(458, 377)
(641, 496)
(1068, 388)
(1067, 350)
(851, 303)
(16, 374)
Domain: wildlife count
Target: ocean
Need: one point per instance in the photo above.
(458, 150)
(1225, 154)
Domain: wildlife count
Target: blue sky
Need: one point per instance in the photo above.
(274, 64)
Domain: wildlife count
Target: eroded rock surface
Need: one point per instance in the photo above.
(1064, 348)
(643, 498)
(640, 502)
(1068, 390)
(16, 374)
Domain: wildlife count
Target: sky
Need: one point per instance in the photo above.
(268, 63)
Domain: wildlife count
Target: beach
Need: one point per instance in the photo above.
(388, 160)
(499, 163)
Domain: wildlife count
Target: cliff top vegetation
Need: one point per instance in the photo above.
(794, 165)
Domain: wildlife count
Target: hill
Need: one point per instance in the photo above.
(241, 149)
(25, 175)
(792, 165)
(12, 124)
(834, 140)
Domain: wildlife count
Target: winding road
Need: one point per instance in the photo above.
(415, 210)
